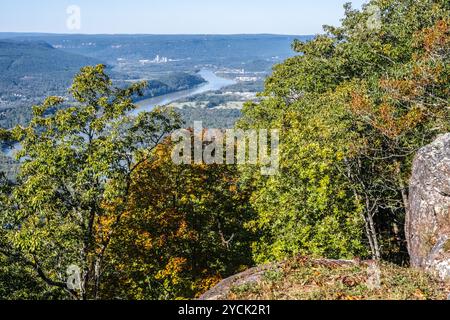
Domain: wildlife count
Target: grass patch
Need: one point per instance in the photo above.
(308, 279)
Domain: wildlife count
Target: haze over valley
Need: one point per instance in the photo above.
(34, 66)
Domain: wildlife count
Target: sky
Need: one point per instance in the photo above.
(294, 17)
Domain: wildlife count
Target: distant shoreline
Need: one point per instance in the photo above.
(212, 83)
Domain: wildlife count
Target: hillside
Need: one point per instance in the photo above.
(30, 71)
(19, 59)
(172, 82)
(310, 279)
(33, 68)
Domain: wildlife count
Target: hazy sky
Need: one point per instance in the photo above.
(173, 16)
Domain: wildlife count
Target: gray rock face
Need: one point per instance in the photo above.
(256, 275)
(253, 275)
(428, 220)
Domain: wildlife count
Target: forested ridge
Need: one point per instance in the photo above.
(98, 192)
(32, 69)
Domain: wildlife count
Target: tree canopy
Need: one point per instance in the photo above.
(354, 106)
(76, 164)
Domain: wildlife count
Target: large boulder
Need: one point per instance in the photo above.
(428, 219)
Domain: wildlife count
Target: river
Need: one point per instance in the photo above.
(213, 83)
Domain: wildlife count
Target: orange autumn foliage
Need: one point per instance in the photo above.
(174, 230)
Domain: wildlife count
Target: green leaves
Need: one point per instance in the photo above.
(91, 85)
(76, 162)
(353, 108)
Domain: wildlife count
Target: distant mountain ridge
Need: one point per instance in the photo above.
(24, 57)
(221, 50)
(35, 65)
(31, 70)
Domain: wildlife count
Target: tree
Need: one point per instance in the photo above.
(353, 108)
(398, 113)
(308, 207)
(76, 164)
(183, 230)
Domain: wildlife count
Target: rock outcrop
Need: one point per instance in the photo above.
(428, 219)
(253, 275)
(256, 275)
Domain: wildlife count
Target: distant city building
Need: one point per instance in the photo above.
(247, 79)
(158, 60)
